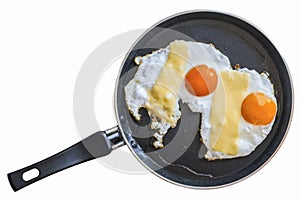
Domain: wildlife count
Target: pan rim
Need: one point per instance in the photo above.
(214, 186)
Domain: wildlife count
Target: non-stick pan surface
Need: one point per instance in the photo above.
(181, 160)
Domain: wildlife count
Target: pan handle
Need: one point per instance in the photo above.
(97, 145)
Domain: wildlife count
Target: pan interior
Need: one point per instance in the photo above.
(181, 160)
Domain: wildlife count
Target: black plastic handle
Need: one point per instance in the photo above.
(94, 146)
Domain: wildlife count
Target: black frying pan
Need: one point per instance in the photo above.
(181, 160)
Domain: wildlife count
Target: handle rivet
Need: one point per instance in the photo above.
(133, 144)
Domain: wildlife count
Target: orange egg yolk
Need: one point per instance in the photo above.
(258, 109)
(201, 80)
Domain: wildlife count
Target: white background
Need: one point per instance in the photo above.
(42, 47)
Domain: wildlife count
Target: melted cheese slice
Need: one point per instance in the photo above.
(163, 95)
(226, 111)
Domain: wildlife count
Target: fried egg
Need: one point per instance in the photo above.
(170, 74)
(202, 74)
(241, 116)
(237, 107)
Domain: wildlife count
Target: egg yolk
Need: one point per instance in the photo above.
(201, 80)
(258, 109)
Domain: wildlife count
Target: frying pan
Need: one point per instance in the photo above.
(181, 160)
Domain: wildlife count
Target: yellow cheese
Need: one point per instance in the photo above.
(226, 111)
(163, 94)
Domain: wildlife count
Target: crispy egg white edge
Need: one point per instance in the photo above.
(250, 136)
